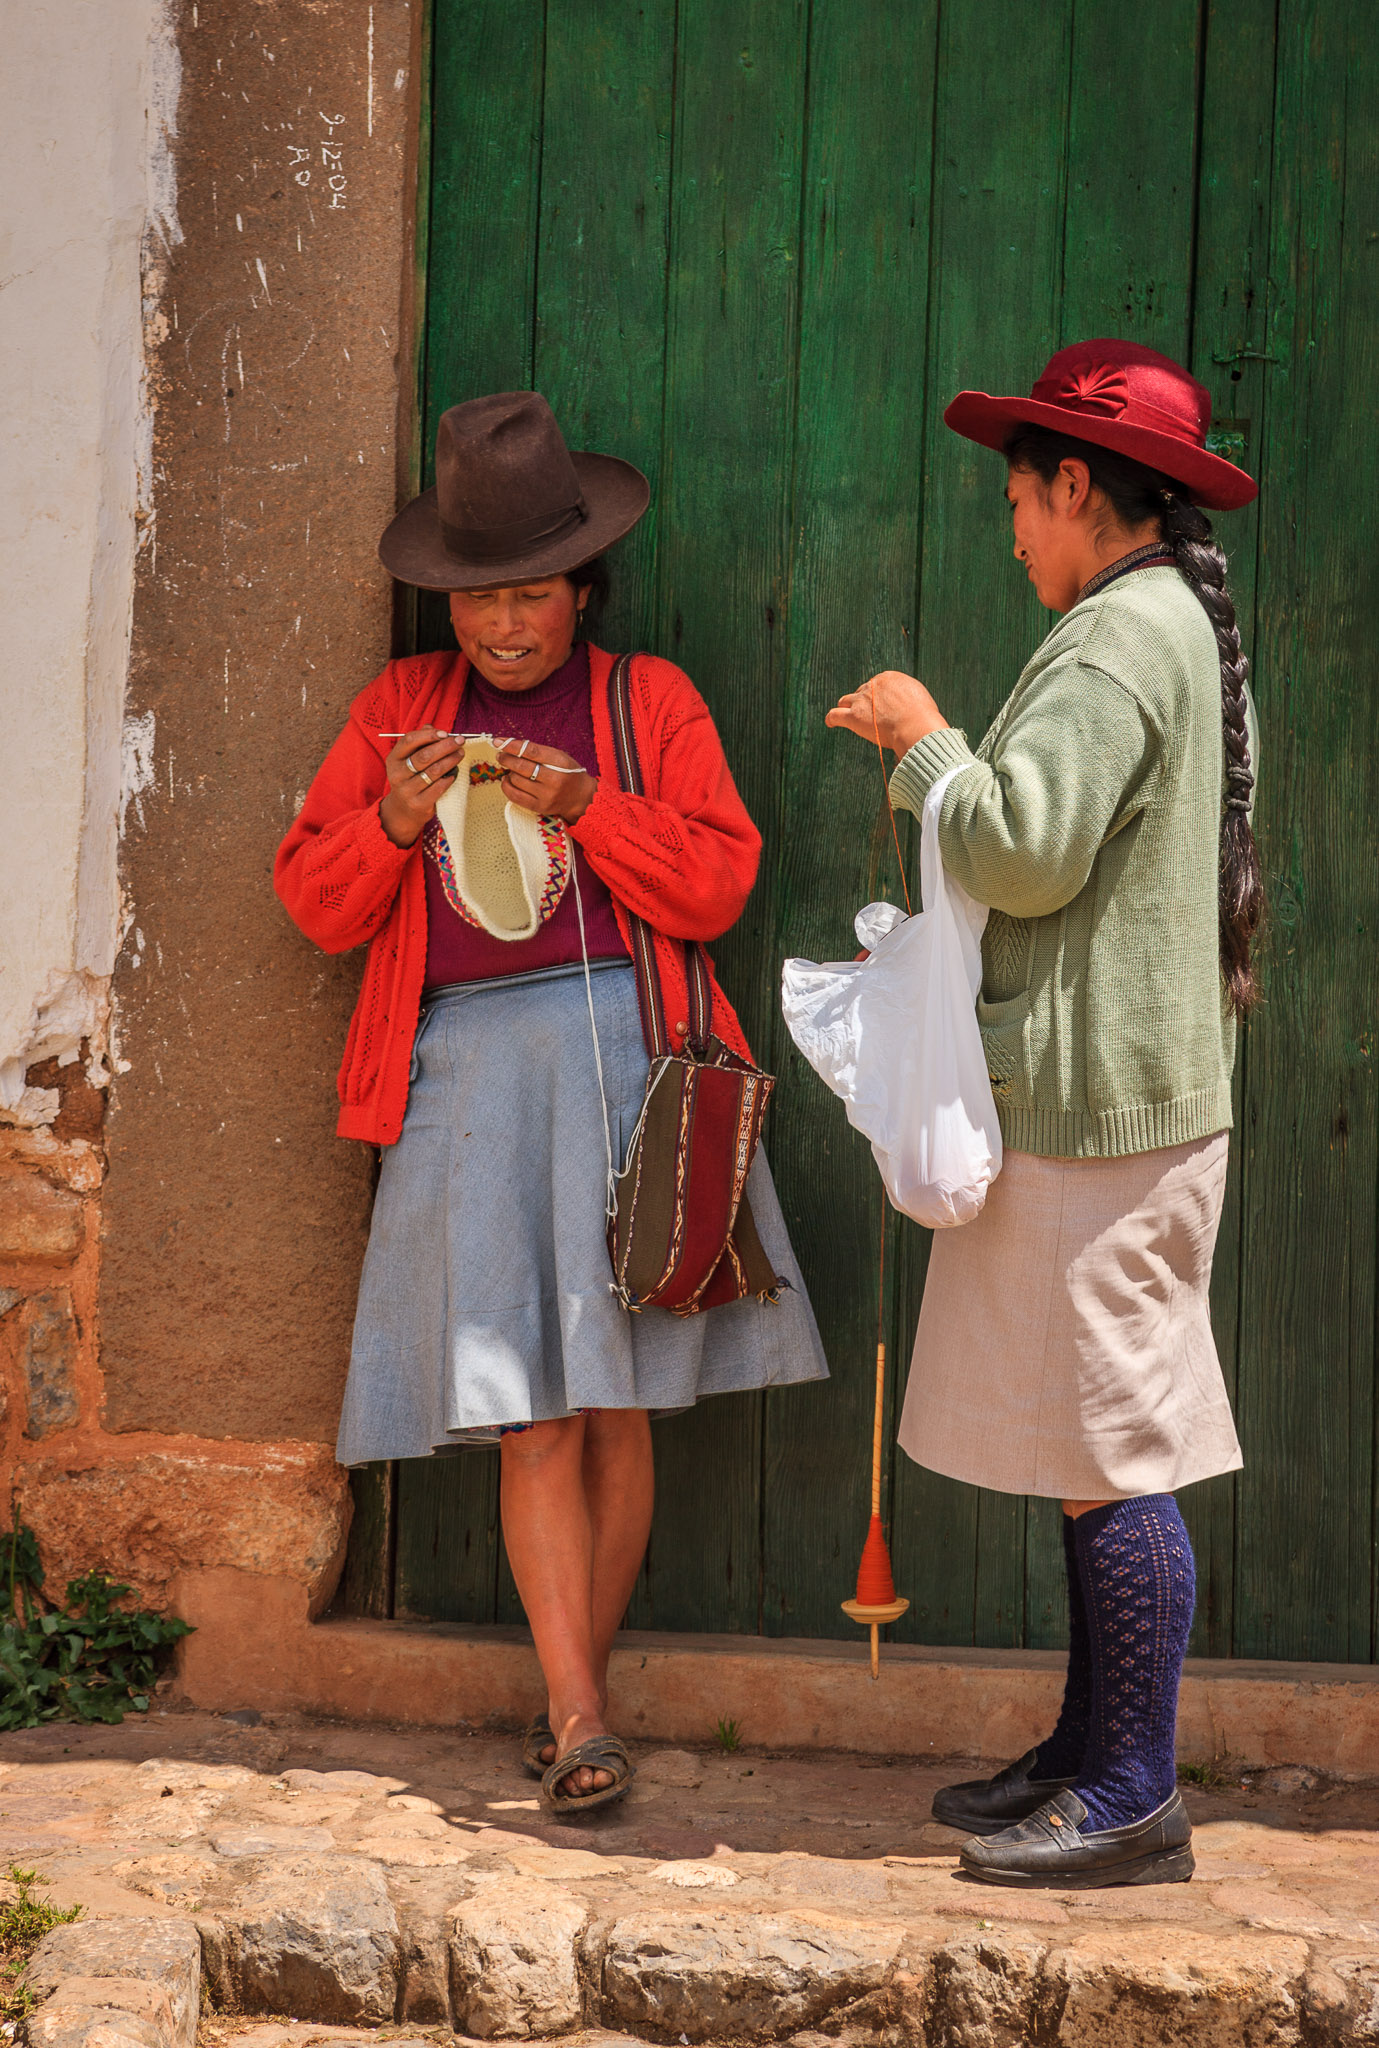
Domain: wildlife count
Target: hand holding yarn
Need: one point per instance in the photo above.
(421, 767)
(545, 780)
(893, 710)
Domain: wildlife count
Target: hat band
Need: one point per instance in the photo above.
(501, 543)
(1102, 392)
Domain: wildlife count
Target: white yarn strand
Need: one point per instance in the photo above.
(610, 1193)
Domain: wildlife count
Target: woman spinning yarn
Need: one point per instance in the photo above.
(1064, 1346)
(468, 827)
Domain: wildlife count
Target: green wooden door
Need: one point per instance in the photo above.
(754, 246)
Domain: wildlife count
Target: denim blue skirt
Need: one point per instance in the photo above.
(486, 1297)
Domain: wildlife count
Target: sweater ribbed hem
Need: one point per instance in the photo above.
(916, 773)
(1116, 1133)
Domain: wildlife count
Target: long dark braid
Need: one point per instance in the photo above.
(1136, 495)
(1241, 893)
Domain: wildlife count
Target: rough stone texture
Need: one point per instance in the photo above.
(315, 1936)
(1118, 1987)
(109, 2012)
(234, 1220)
(237, 1842)
(832, 1859)
(37, 1220)
(977, 1993)
(48, 1357)
(10, 1297)
(171, 1879)
(176, 1774)
(163, 1955)
(282, 1513)
(791, 1694)
(514, 1969)
(90, 2010)
(712, 1974)
(1340, 2000)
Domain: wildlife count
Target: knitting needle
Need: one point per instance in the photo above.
(550, 766)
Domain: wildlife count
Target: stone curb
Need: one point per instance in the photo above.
(321, 1939)
(116, 1982)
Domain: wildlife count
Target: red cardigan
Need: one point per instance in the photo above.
(684, 857)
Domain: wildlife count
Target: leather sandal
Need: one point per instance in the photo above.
(539, 1735)
(599, 1753)
(1053, 1850)
(983, 1806)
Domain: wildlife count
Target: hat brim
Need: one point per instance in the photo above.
(1206, 479)
(413, 546)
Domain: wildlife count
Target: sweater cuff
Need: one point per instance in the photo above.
(380, 854)
(916, 772)
(596, 829)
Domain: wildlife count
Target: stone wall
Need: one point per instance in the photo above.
(178, 1262)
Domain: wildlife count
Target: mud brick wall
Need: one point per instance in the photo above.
(177, 1264)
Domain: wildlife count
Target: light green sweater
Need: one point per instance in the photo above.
(1090, 824)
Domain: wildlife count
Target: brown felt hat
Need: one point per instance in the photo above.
(510, 501)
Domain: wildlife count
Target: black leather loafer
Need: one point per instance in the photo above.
(983, 1806)
(1052, 1850)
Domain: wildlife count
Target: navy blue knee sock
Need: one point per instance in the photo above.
(1139, 1585)
(1060, 1755)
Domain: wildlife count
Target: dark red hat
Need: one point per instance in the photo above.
(1120, 396)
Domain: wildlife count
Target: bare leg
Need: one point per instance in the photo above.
(619, 1485)
(1083, 1507)
(576, 1508)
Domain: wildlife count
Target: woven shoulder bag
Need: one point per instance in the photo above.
(680, 1229)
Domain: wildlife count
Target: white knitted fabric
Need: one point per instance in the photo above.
(511, 867)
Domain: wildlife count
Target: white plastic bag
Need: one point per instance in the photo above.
(896, 1036)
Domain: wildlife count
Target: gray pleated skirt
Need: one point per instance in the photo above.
(486, 1298)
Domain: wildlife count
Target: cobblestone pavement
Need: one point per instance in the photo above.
(327, 1879)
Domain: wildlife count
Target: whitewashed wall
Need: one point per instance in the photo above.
(88, 100)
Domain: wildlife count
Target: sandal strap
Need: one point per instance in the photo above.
(599, 1753)
(537, 1734)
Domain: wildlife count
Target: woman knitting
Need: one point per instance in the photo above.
(1064, 1345)
(498, 1072)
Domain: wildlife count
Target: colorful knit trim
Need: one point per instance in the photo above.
(554, 839)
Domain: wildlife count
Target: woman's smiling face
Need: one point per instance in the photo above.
(518, 634)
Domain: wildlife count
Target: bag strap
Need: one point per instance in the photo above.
(650, 995)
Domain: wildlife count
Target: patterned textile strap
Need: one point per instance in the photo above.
(1154, 556)
(650, 996)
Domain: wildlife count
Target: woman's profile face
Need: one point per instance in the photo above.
(520, 633)
(1050, 522)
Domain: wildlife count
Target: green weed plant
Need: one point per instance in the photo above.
(86, 1660)
(24, 1920)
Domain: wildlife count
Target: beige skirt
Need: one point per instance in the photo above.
(1064, 1344)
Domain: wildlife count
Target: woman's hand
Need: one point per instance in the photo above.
(544, 780)
(895, 707)
(421, 767)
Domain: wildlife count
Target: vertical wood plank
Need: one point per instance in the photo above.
(1304, 1576)
(851, 603)
(366, 1584)
(721, 574)
(1229, 316)
(1131, 174)
(599, 327)
(487, 62)
(1127, 271)
(604, 235)
(447, 1536)
(487, 59)
(997, 259)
